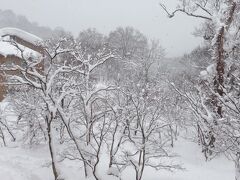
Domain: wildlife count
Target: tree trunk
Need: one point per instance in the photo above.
(219, 79)
(237, 167)
(51, 149)
(3, 137)
(219, 56)
(95, 169)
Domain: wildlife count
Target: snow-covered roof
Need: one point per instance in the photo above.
(21, 34)
(8, 49)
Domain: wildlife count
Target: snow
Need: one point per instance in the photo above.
(28, 164)
(211, 68)
(21, 34)
(8, 49)
(208, 72)
(113, 171)
(203, 73)
(24, 163)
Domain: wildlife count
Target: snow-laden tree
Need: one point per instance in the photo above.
(56, 79)
(222, 17)
(215, 98)
(30, 112)
(148, 142)
(63, 99)
(141, 132)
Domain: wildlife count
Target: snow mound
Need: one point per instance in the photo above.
(21, 34)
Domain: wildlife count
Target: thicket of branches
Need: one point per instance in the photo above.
(95, 95)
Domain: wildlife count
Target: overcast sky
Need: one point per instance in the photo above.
(146, 15)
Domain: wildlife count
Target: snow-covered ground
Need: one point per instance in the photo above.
(22, 163)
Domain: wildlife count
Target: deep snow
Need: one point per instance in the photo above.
(22, 163)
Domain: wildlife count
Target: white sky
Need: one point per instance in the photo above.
(105, 15)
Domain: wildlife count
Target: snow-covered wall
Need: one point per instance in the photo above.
(8, 49)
